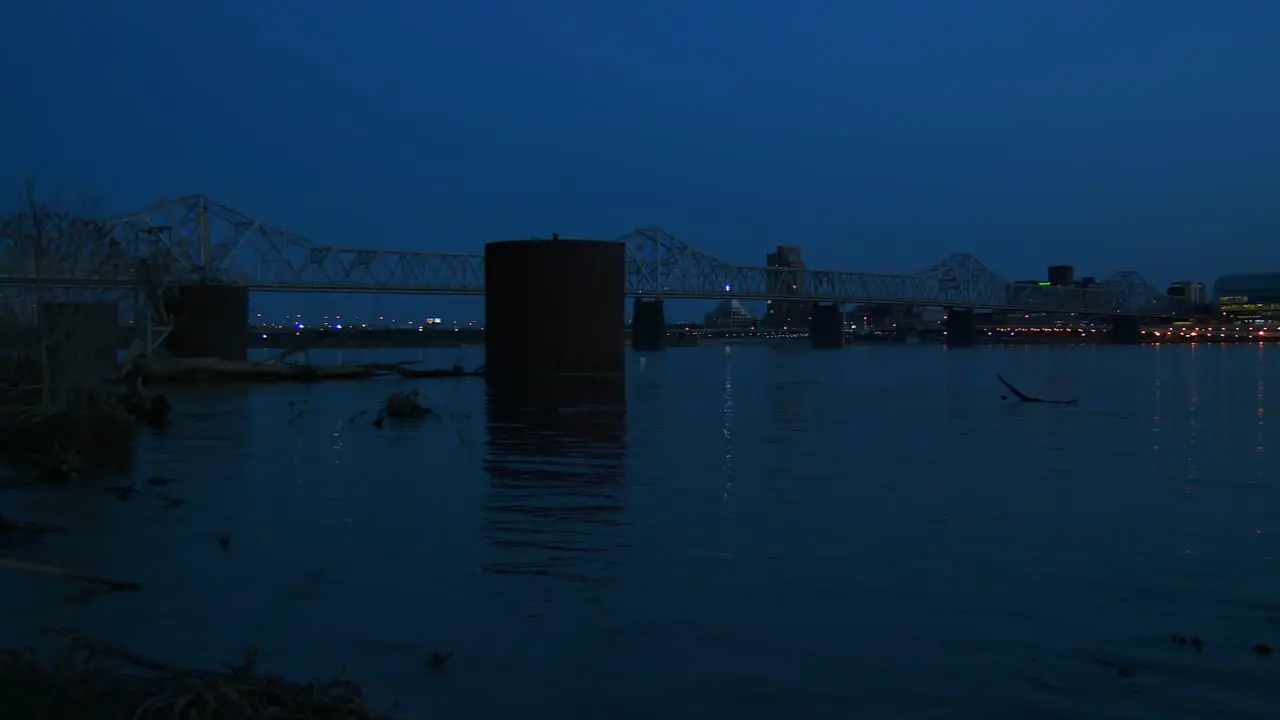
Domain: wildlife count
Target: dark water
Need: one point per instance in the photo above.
(755, 533)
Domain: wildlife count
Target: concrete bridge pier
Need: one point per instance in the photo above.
(210, 321)
(553, 308)
(1125, 329)
(826, 326)
(961, 330)
(648, 324)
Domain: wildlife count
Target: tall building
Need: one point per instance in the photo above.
(1193, 291)
(783, 314)
(1253, 296)
(1062, 275)
(729, 314)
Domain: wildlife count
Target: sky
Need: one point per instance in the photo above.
(878, 136)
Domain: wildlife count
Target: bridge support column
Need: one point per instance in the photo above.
(648, 324)
(553, 307)
(1125, 330)
(960, 328)
(210, 321)
(826, 326)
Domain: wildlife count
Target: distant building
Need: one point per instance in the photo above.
(784, 313)
(786, 256)
(729, 314)
(880, 315)
(1193, 291)
(1254, 296)
(1062, 275)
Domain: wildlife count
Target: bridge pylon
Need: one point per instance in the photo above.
(960, 328)
(1125, 329)
(826, 326)
(648, 324)
(553, 308)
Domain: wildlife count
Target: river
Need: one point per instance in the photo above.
(750, 533)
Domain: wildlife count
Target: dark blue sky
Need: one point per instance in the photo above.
(877, 135)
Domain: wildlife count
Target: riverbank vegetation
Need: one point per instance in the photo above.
(59, 413)
(69, 409)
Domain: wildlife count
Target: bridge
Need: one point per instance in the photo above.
(195, 240)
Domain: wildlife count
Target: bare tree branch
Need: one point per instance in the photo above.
(62, 317)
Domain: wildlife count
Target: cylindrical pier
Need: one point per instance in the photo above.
(960, 327)
(554, 307)
(826, 326)
(648, 324)
(210, 321)
(1126, 329)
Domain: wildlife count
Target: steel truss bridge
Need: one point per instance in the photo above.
(193, 239)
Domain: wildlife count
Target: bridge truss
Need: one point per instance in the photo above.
(193, 239)
(661, 265)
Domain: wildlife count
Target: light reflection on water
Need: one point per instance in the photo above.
(746, 531)
(556, 462)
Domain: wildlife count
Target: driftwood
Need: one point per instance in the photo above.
(176, 370)
(171, 370)
(407, 372)
(91, 678)
(22, 566)
(10, 527)
(282, 355)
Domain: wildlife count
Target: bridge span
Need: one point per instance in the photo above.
(194, 240)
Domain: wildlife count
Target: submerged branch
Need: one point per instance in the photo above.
(94, 679)
(23, 566)
(1023, 397)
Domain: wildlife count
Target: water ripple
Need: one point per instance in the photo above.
(747, 531)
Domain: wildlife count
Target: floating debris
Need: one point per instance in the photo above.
(110, 583)
(438, 662)
(404, 405)
(1023, 397)
(123, 492)
(28, 530)
(85, 681)
(177, 370)
(169, 501)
